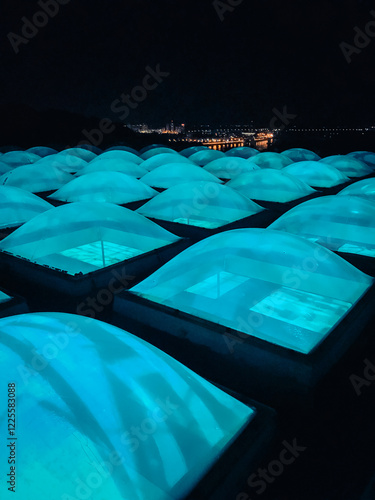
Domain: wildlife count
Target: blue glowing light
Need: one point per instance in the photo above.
(111, 413)
(110, 187)
(340, 223)
(84, 237)
(203, 204)
(249, 280)
(267, 184)
(172, 174)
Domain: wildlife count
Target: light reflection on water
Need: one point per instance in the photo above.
(260, 145)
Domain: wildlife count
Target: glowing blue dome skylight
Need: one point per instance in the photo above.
(123, 166)
(4, 297)
(18, 158)
(316, 173)
(177, 173)
(118, 155)
(348, 166)
(84, 237)
(249, 280)
(271, 160)
(192, 149)
(18, 206)
(133, 424)
(203, 157)
(35, 178)
(42, 151)
(366, 156)
(270, 185)
(229, 167)
(84, 154)
(162, 159)
(364, 188)
(300, 154)
(123, 148)
(110, 187)
(242, 152)
(67, 163)
(157, 151)
(340, 223)
(203, 204)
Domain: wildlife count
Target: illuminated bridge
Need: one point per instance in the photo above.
(223, 142)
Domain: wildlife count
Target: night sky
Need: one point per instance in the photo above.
(261, 56)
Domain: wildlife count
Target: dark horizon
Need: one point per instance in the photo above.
(209, 62)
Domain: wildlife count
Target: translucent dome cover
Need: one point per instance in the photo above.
(177, 173)
(270, 160)
(348, 166)
(42, 151)
(84, 237)
(119, 417)
(270, 185)
(17, 158)
(111, 187)
(203, 157)
(5, 167)
(157, 151)
(90, 147)
(84, 154)
(118, 155)
(340, 223)
(7, 149)
(365, 156)
(124, 166)
(203, 204)
(229, 167)
(316, 173)
(35, 178)
(364, 188)
(151, 146)
(300, 154)
(18, 206)
(192, 149)
(162, 159)
(123, 148)
(67, 163)
(250, 280)
(242, 152)
(4, 297)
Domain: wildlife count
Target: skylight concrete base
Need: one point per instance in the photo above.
(369, 176)
(262, 220)
(133, 205)
(55, 203)
(281, 208)
(267, 372)
(44, 195)
(7, 231)
(46, 285)
(364, 263)
(334, 189)
(15, 305)
(232, 469)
